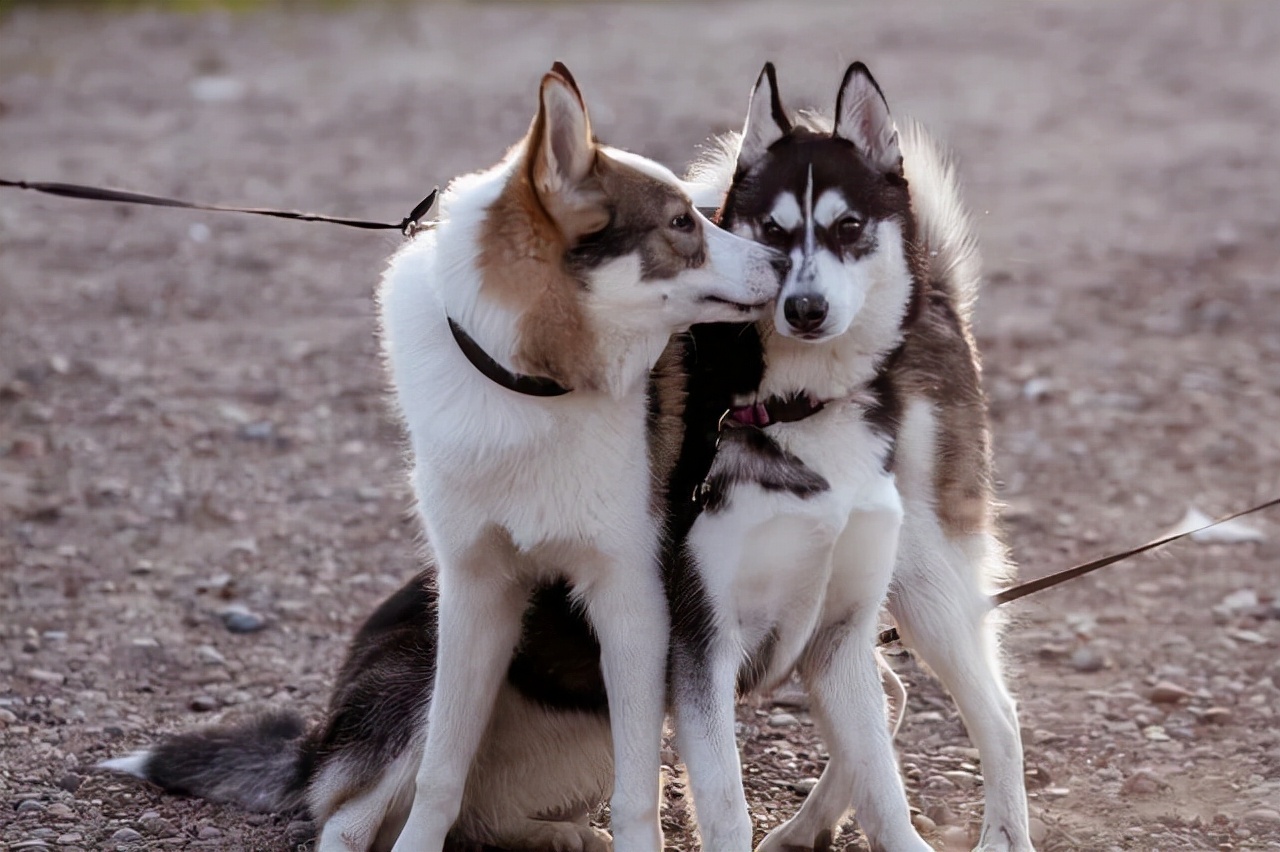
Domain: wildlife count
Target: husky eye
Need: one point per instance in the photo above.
(683, 222)
(772, 233)
(849, 229)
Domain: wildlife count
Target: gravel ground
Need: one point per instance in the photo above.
(192, 415)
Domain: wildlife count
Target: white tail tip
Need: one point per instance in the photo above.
(131, 764)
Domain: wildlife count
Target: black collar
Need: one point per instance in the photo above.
(498, 374)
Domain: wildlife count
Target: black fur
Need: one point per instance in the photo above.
(748, 454)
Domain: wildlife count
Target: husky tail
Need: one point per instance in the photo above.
(946, 230)
(261, 764)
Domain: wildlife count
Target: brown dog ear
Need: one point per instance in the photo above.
(767, 121)
(563, 156)
(862, 117)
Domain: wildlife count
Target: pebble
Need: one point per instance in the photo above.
(1038, 830)
(204, 704)
(1142, 783)
(1216, 716)
(805, 786)
(963, 780)
(126, 835)
(940, 814)
(30, 806)
(70, 838)
(783, 720)
(210, 656)
(28, 846)
(209, 832)
(7, 717)
(1266, 815)
(923, 824)
(60, 811)
(45, 676)
(70, 782)
(1086, 659)
(1167, 692)
(954, 837)
(239, 619)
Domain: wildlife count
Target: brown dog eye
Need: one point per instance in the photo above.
(849, 229)
(683, 222)
(772, 233)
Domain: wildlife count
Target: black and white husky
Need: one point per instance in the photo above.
(520, 335)
(851, 466)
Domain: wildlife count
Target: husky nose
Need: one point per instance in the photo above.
(805, 313)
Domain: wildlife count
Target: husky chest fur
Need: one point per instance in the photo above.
(850, 467)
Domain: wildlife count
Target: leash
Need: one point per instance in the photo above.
(1030, 587)
(407, 226)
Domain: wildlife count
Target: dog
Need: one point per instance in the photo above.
(837, 458)
(520, 334)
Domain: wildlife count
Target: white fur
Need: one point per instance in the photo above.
(134, 764)
(831, 206)
(513, 489)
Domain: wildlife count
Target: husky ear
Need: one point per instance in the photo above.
(767, 121)
(862, 117)
(563, 154)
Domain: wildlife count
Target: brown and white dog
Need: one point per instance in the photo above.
(839, 454)
(520, 333)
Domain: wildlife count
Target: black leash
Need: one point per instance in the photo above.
(1030, 587)
(407, 226)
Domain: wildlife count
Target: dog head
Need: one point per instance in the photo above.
(833, 199)
(598, 256)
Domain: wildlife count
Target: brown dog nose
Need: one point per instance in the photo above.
(805, 313)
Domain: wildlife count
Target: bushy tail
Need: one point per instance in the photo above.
(941, 216)
(261, 764)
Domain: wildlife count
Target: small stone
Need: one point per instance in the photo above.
(259, 430)
(954, 837)
(963, 780)
(1155, 733)
(940, 814)
(805, 786)
(210, 656)
(70, 838)
(1086, 659)
(70, 782)
(45, 676)
(7, 718)
(1266, 815)
(783, 720)
(209, 832)
(1216, 716)
(60, 811)
(299, 831)
(1142, 783)
(239, 619)
(923, 824)
(30, 806)
(1167, 692)
(1057, 792)
(203, 704)
(126, 835)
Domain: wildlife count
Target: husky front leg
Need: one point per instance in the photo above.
(703, 684)
(842, 674)
(627, 608)
(945, 617)
(479, 624)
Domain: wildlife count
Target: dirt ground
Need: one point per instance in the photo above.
(192, 414)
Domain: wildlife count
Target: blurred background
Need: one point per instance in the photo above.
(194, 437)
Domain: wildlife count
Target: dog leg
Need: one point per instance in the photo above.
(943, 615)
(627, 608)
(843, 676)
(479, 623)
(703, 686)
